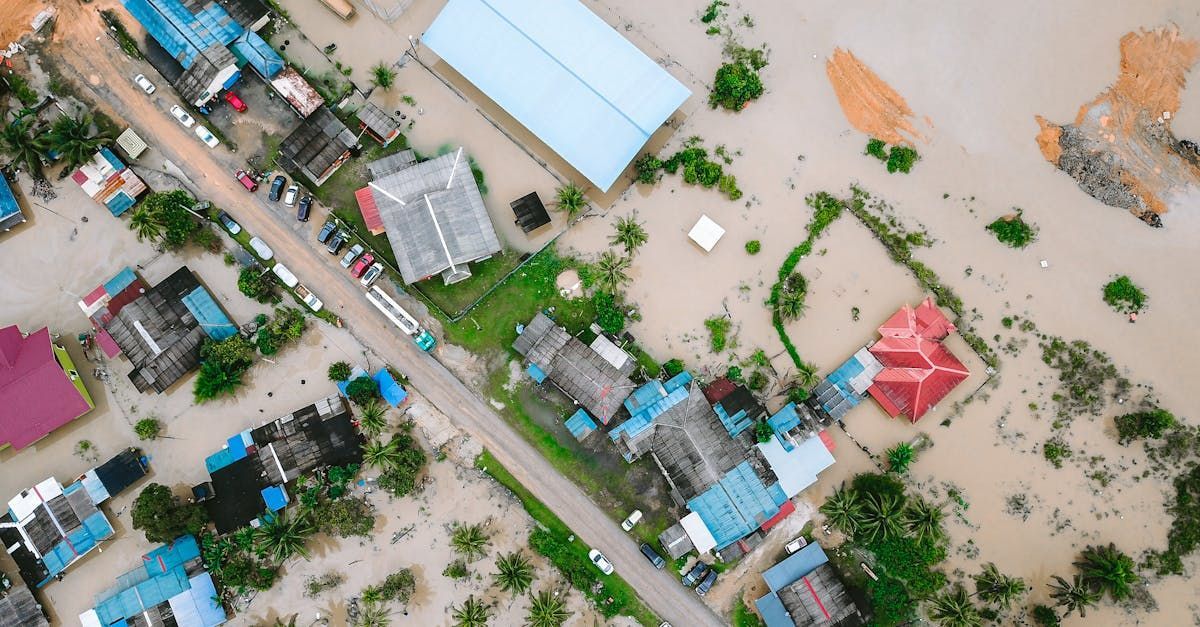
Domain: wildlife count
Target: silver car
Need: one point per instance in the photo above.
(144, 83)
(371, 274)
(352, 254)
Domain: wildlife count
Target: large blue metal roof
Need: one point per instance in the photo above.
(182, 33)
(734, 506)
(208, 315)
(259, 54)
(563, 73)
(797, 565)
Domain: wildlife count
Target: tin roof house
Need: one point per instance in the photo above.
(50, 527)
(109, 182)
(804, 590)
(318, 147)
(918, 370)
(19, 608)
(40, 389)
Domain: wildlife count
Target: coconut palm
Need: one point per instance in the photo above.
(1073, 595)
(24, 145)
(546, 610)
(899, 457)
(472, 613)
(145, 224)
(382, 455)
(383, 76)
(997, 588)
(470, 541)
(790, 304)
(924, 520)
(280, 537)
(843, 509)
(570, 199)
(611, 272)
(953, 608)
(629, 233)
(372, 418)
(514, 573)
(74, 140)
(806, 375)
(373, 615)
(1108, 569)
(882, 516)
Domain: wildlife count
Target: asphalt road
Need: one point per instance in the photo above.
(91, 54)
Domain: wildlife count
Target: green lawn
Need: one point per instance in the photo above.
(743, 616)
(453, 299)
(623, 595)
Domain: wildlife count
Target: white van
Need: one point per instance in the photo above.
(285, 275)
(261, 249)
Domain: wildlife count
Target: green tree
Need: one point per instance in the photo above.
(345, 517)
(612, 272)
(646, 168)
(882, 517)
(472, 613)
(901, 159)
(924, 520)
(170, 209)
(1045, 616)
(74, 139)
(608, 315)
(1152, 424)
(753, 247)
(1123, 295)
(373, 615)
(163, 517)
(570, 199)
(281, 537)
(1074, 595)
(629, 233)
(256, 284)
(24, 144)
(843, 509)
(546, 610)
(145, 224)
(953, 608)
(339, 371)
(147, 429)
(877, 148)
(214, 380)
(401, 478)
(763, 431)
(470, 541)
(1109, 570)
(997, 588)
(900, 457)
(735, 85)
(790, 300)
(363, 390)
(514, 573)
(381, 455)
(383, 76)
(372, 419)
(673, 367)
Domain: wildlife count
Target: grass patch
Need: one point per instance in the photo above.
(743, 616)
(1124, 296)
(718, 332)
(570, 557)
(454, 299)
(1013, 231)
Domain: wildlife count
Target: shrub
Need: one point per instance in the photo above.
(646, 168)
(608, 316)
(400, 478)
(1013, 231)
(316, 585)
(900, 457)
(255, 284)
(673, 367)
(363, 390)
(901, 159)
(735, 85)
(222, 366)
(456, 569)
(1055, 450)
(877, 148)
(1006, 322)
(713, 11)
(163, 517)
(147, 429)
(398, 586)
(345, 517)
(1045, 616)
(1152, 424)
(339, 371)
(763, 431)
(798, 395)
(1124, 296)
(758, 381)
(727, 184)
(753, 246)
(718, 330)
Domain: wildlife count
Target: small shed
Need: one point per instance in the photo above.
(382, 127)
(530, 212)
(580, 424)
(133, 145)
(706, 233)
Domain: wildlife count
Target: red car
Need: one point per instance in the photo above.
(246, 181)
(361, 265)
(235, 102)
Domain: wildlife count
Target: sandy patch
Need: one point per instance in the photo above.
(16, 18)
(870, 104)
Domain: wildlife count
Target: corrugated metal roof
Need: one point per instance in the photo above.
(735, 506)
(258, 54)
(796, 565)
(208, 314)
(183, 34)
(580, 424)
(564, 74)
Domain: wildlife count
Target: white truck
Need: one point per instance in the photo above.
(401, 318)
(309, 298)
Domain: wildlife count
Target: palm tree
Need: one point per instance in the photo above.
(382, 455)
(1073, 595)
(611, 269)
(546, 610)
(373, 615)
(373, 418)
(472, 613)
(515, 573)
(900, 456)
(806, 375)
(281, 538)
(145, 224)
(790, 304)
(383, 76)
(882, 517)
(470, 541)
(74, 140)
(570, 199)
(290, 622)
(843, 509)
(20, 141)
(924, 520)
(954, 609)
(1109, 570)
(995, 587)
(629, 233)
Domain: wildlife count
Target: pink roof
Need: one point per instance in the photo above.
(36, 396)
(918, 370)
(370, 212)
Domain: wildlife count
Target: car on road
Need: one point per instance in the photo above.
(599, 561)
(361, 265)
(305, 208)
(235, 102)
(697, 573)
(206, 136)
(707, 583)
(371, 275)
(795, 545)
(289, 198)
(230, 224)
(336, 242)
(352, 254)
(182, 116)
(144, 83)
(277, 188)
(246, 181)
(652, 555)
(326, 230)
(632, 520)
(261, 249)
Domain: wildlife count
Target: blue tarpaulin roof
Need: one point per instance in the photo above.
(736, 505)
(580, 424)
(535, 373)
(208, 315)
(163, 579)
(180, 32)
(258, 54)
(391, 391)
(8, 202)
(773, 613)
(564, 74)
(797, 565)
(198, 606)
(122, 280)
(274, 497)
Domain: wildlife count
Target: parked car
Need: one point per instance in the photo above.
(697, 573)
(652, 555)
(230, 224)
(309, 298)
(336, 242)
(246, 181)
(361, 265)
(632, 520)
(277, 188)
(371, 275)
(285, 275)
(235, 102)
(178, 113)
(305, 208)
(351, 255)
(144, 83)
(289, 198)
(795, 545)
(261, 249)
(207, 137)
(707, 583)
(325, 232)
(597, 558)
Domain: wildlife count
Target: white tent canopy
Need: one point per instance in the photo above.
(706, 233)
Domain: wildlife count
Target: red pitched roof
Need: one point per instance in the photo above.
(716, 391)
(370, 212)
(36, 396)
(926, 321)
(918, 370)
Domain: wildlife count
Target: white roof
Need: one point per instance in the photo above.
(797, 469)
(706, 233)
(701, 537)
(90, 619)
(131, 143)
(22, 505)
(609, 351)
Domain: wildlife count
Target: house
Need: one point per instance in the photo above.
(109, 182)
(580, 372)
(115, 475)
(918, 370)
(40, 389)
(159, 329)
(19, 608)
(846, 387)
(382, 127)
(804, 589)
(10, 210)
(563, 73)
(249, 475)
(433, 215)
(318, 147)
(296, 91)
(170, 587)
(50, 527)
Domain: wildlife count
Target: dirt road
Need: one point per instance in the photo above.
(104, 71)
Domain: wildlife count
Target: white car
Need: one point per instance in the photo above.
(144, 83)
(261, 249)
(601, 562)
(285, 275)
(633, 519)
(371, 274)
(795, 545)
(207, 137)
(289, 198)
(182, 116)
